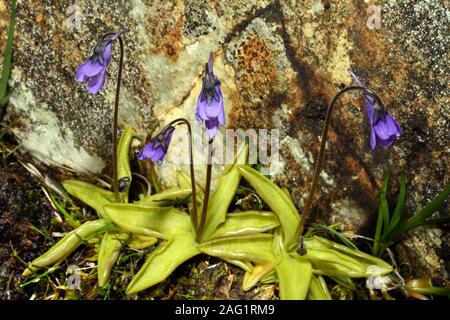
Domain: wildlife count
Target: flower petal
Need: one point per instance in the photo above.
(394, 128)
(213, 110)
(107, 53)
(159, 155)
(97, 82)
(146, 152)
(221, 117)
(211, 127)
(88, 70)
(201, 109)
(373, 139)
(385, 143)
(370, 111)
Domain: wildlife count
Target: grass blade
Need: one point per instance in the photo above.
(381, 217)
(399, 208)
(6, 71)
(428, 210)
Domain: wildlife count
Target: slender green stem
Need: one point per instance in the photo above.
(194, 213)
(321, 156)
(207, 191)
(115, 124)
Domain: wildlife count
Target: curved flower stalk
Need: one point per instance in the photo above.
(156, 151)
(383, 131)
(93, 71)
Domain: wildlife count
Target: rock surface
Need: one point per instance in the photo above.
(280, 63)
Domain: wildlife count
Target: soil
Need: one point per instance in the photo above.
(22, 205)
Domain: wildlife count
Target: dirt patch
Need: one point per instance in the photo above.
(22, 206)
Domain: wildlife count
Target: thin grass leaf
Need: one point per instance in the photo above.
(399, 208)
(381, 217)
(335, 233)
(6, 70)
(427, 222)
(74, 223)
(429, 209)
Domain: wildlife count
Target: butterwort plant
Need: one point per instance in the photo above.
(94, 71)
(259, 242)
(383, 130)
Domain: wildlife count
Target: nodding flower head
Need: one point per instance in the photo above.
(94, 69)
(210, 102)
(157, 148)
(383, 127)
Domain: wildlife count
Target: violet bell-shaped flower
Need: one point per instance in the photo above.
(156, 149)
(383, 127)
(210, 102)
(94, 69)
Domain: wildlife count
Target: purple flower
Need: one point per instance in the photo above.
(210, 102)
(94, 69)
(383, 127)
(157, 148)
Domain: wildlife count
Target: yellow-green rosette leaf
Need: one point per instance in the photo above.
(276, 199)
(224, 194)
(123, 161)
(163, 223)
(245, 223)
(66, 245)
(90, 194)
(163, 261)
(252, 248)
(109, 252)
(333, 259)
